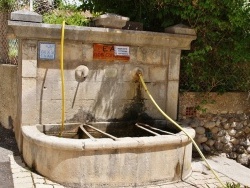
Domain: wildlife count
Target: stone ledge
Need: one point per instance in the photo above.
(32, 134)
(26, 16)
(100, 35)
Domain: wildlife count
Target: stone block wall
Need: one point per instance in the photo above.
(222, 123)
(8, 95)
(109, 91)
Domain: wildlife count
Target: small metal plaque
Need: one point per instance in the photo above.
(47, 51)
(121, 50)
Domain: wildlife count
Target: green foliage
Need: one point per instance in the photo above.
(219, 59)
(232, 185)
(69, 13)
(7, 5)
(73, 18)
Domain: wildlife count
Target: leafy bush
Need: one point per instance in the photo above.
(6, 5)
(71, 18)
(69, 13)
(219, 59)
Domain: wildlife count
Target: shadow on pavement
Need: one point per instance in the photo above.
(8, 146)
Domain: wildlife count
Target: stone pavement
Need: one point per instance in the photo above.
(201, 177)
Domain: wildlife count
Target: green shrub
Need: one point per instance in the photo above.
(219, 59)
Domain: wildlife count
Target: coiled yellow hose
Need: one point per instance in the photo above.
(62, 77)
(179, 127)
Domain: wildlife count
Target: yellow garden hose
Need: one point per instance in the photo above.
(62, 77)
(179, 127)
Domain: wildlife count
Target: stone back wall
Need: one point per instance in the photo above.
(221, 122)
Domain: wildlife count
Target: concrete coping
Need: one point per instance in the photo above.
(111, 21)
(34, 135)
(26, 16)
(50, 32)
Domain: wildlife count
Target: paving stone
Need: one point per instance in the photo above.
(38, 181)
(49, 182)
(24, 185)
(44, 186)
(168, 186)
(58, 186)
(23, 180)
(21, 174)
(211, 181)
(34, 175)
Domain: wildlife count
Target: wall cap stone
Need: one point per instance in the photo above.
(100, 35)
(26, 16)
(180, 29)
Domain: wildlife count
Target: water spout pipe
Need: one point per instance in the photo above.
(179, 127)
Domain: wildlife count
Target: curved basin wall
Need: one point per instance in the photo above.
(108, 163)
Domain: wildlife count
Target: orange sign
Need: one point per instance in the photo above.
(107, 52)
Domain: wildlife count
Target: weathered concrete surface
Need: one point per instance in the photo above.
(231, 168)
(8, 95)
(104, 162)
(26, 16)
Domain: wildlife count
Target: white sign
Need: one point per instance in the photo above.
(47, 51)
(121, 50)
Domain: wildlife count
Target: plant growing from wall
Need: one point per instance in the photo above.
(219, 59)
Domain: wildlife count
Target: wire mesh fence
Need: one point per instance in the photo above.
(8, 45)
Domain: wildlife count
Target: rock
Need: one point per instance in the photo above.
(217, 123)
(239, 134)
(206, 148)
(239, 126)
(224, 139)
(200, 130)
(241, 149)
(215, 130)
(248, 149)
(232, 132)
(228, 148)
(194, 124)
(243, 159)
(210, 142)
(218, 145)
(233, 124)
(245, 143)
(239, 112)
(201, 138)
(226, 126)
(230, 120)
(234, 141)
(247, 130)
(232, 155)
(222, 133)
(209, 125)
(224, 120)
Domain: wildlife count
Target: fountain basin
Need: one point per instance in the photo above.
(104, 162)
